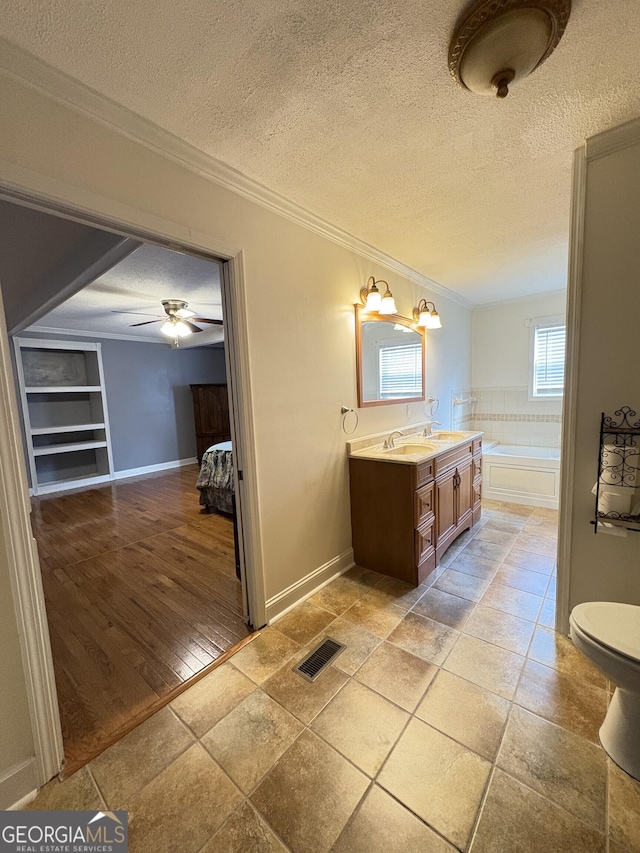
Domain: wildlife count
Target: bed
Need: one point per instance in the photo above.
(216, 486)
(215, 481)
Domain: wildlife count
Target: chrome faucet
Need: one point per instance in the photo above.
(428, 430)
(389, 443)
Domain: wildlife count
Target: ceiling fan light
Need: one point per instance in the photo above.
(181, 329)
(167, 328)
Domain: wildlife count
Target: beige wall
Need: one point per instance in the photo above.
(300, 290)
(501, 359)
(602, 566)
(501, 338)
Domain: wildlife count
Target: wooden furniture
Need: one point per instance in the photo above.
(211, 414)
(64, 409)
(405, 516)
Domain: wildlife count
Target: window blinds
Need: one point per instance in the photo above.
(548, 363)
(400, 371)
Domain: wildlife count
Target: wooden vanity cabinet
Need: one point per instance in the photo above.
(404, 517)
(392, 516)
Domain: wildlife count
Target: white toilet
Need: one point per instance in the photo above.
(609, 635)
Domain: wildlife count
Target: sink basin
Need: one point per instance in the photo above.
(447, 436)
(411, 449)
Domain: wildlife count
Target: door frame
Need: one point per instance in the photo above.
(15, 508)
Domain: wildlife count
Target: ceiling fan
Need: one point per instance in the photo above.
(180, 321)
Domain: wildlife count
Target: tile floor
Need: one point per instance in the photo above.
(456, 719)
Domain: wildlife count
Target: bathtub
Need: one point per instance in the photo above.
(521, 474)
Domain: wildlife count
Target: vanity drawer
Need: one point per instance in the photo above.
(424, 542)
(424, 473)
(477, 445)
(452, 458)
(476, 468)
(423, 505)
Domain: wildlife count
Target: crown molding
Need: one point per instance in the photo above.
(534, 297)
(614, 139)
(83, 333)
(30, 71)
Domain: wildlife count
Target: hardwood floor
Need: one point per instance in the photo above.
(141, 597)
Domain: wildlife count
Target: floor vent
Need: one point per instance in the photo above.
(311, 667)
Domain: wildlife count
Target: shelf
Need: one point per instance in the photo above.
(58, 430)
(52, 449)
(65, 413)
(62, 389)
(46, 487)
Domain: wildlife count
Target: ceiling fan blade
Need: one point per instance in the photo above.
(146, 322)
(137, 313)
(191, 326)
(206, 320)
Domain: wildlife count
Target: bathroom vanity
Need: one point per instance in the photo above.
(409, 502)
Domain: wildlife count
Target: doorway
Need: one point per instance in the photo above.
(137, 609)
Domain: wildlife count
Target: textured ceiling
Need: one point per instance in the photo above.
(348, 109)
(138, 284)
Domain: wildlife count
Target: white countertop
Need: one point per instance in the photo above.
(433, 446)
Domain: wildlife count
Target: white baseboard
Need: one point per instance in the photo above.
(19, 785)
(151, 469)
(299, 591)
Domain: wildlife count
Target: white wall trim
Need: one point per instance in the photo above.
(237, 359)
(514, 300)
(36, 74)
(26, 581)
(280, 604)
(570, 404)
(150, 469)
(19, 785)
(52, 330)
(614, 139)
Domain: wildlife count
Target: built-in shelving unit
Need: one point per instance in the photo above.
(65, 413)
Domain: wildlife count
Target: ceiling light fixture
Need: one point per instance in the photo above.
(427, 318)
(373, 300)
(175, 328)
(498, 42)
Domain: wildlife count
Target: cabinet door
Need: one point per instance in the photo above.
(464, 490)
(446, 493)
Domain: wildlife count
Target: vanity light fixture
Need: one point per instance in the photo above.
(496, 44)
(373, 300)
(425, 316)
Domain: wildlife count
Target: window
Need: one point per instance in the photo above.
(547, 370)
(400, 371)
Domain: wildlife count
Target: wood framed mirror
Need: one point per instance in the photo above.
(390, 359)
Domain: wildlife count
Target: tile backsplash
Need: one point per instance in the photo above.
(505, 414)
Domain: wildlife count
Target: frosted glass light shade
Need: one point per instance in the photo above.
(374, 298)
(496, 44)
(388, 304)
(175, 329)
